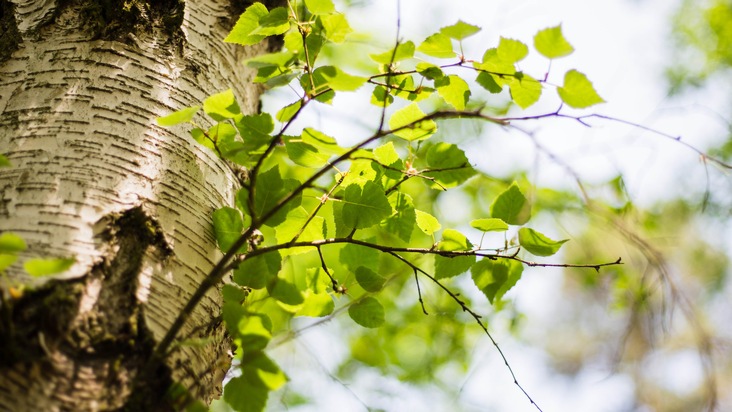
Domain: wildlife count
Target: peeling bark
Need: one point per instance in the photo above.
(95, 178)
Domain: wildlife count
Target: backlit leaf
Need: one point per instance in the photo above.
(295, 225)
(496, 277)
(403, 51)
(551, 43)
(429, 71)
(447, 267)
(448, 165)
(415, 129)
(454, 90)
(11, 243)
(339, 80)
(228, 227)
(320, 6)
(525, 90)
(316, 305)
(7, 259)
(511, 51)
(256, 271)
(286, 113)
(221, 106)
(46, 267)
(364, 206)
(401, 222)
(285, 292)
(427, 223)
(437, 45)
(275, 22)
(336, 28)
(269, 191)
(489, 225)
(354, 256)
(459, 30)
(511, 206)
(247, 23)
(537, 243)
(386, 154)
(181, 116)
(369, 280)
(578, 91)
(367, 312)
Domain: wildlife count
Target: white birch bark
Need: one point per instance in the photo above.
(95, 178)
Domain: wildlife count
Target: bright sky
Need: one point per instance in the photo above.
(622, 46)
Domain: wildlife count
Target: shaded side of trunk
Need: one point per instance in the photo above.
(95, 178)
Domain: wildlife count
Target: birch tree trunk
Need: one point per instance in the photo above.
(94, 178)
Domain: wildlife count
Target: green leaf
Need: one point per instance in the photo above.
(270, 189)
(339, 80)
(285, 292)
(427, 223)
(511, 206)
(403, 51)
(4, 162)
(364, 206)
(354, 256)
(247, 23)
(336, 28)
(181, 116)
(267, 371)
(286, 113)
(511, 51)
(411, 128)
(234, 294)
(493, 63)
(447, 267)
(256, 272)
(380, 97)
(228, 227)
(304, 154)
(367, 312)
(293, 225)
(538, 244)
(489, 225)
(46, 267)
(277, 21)
(254, 331)
(454, 90)
(578, 91)
(437, 45)
(551, 43)
(448, 165)
(525, 90)
(11, 243)
(320, 6)
(386, 154)
(221, 106)
(322, 91)
(496, 277)
(401, 222)
(6, 260)
(459, 30)
(316, 305)
(488, 82)
(369, 280)
(429, 70)
(246, 393)
(256, 127)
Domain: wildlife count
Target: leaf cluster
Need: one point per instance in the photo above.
(316, 224)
